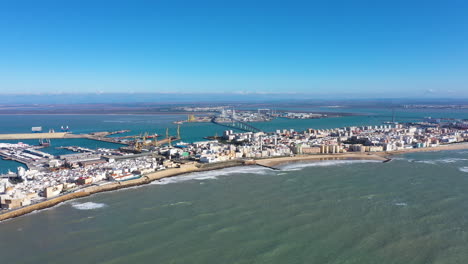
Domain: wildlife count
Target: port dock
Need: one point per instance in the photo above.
(100, 136)
(33, 136)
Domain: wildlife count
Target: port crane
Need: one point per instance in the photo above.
(142, 141)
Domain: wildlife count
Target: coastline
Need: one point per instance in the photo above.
(198, 167)
(453, 146)
(272, 162)
(145, 179)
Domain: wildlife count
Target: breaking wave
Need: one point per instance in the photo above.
(447, 160)
(400, 158)
(464, 169)
(214, 174)
(327, 163)
(88, 206)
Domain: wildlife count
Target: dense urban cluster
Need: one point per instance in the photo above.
(49, 176)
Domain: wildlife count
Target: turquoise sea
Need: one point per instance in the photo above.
(413, 209)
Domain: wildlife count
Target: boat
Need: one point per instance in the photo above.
(44, 142)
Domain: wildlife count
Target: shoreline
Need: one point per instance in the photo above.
(272, 162)
(453, 146)
(198, 167)
(112, 186)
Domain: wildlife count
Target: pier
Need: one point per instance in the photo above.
(29, 156)
(33, 136)
(99, 136)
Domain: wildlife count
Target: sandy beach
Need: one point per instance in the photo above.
(455, 146)
(272, 162)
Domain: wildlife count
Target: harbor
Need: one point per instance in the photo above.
(62, 135)
(98, 136)
(234, 132)
(49, 176)
(132, 156)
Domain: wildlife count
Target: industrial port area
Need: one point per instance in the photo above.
(47, 176)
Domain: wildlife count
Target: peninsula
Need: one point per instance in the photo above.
(53, 180)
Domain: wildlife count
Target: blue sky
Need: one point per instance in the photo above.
(373, 48)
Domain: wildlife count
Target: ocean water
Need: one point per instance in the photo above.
(413, 209)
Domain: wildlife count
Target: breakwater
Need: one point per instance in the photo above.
(32, 136)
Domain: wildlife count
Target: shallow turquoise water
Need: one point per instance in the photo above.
(413, 209)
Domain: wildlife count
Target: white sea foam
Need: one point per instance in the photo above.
(326, 163)
(214, 174)
(400, 204)
(451, 160)
(463, 169)
(179, 203)
(88, 206)
(436, 161)
(433, 162)
(116, 121)
(395, 158)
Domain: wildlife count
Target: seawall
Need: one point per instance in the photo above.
(145, 179)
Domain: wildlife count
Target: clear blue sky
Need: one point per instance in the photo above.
(381, 48)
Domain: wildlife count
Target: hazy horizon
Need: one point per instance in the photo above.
(161, 98)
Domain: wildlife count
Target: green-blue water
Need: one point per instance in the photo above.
(413, 209)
